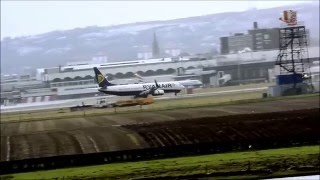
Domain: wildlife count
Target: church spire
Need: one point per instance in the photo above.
(155, 47)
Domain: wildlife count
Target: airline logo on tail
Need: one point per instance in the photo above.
(100, 78)
(102, 81)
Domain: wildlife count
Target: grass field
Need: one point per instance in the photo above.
(279, 161)
(192, 102)
(158, 105)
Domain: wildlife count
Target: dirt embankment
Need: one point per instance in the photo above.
(91, 134)
(278, 126)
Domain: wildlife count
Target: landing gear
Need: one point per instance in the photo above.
(175, 94)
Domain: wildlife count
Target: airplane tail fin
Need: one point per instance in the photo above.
(101, 80)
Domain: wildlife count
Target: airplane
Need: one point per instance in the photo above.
(190, 83)
(185, 83)
(136, 90)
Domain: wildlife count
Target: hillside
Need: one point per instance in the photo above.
(123, 42)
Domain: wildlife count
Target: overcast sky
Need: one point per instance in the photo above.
(21, 18)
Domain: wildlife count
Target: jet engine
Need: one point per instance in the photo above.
(158, 92)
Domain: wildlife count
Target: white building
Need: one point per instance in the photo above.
(144, 55)
(173, 52)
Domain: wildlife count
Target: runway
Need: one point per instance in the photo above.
(216, 93)
(313, 177)
(51, 104)
(92, 100)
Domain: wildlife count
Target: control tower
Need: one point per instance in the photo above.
(293, 60)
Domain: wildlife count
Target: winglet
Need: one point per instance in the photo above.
(157, 85)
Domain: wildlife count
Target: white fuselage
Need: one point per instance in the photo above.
(135, 89)
(190, 83)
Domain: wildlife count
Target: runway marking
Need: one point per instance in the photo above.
(8, 148)
(134, 139)
(213, 93)
(131, 136)
(81, 145)
(231, 91)
(94, 144)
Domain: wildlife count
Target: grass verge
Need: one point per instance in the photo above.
(170, 104)
(272, 162)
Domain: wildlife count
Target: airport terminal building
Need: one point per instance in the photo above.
(76, 80)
